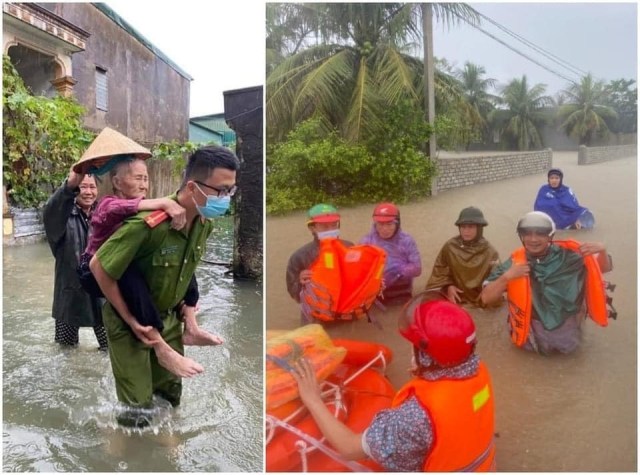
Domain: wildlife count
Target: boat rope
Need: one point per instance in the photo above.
(379, 356)
(303, 449)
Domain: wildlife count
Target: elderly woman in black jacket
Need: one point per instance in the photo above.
(66, 217)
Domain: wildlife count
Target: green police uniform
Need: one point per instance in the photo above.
(167, 258)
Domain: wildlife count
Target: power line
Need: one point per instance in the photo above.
(551, 56)
(517, 51)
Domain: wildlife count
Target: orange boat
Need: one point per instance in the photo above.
(354, 392)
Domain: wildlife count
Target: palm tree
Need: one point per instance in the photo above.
(524, 113)
(474, 86)
(584, 113)
(356, 66)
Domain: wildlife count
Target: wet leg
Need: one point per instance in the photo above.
(65, 334)
(173, 361)
(101, 336)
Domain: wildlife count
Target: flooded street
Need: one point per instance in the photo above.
(59, 403)
(557, 413)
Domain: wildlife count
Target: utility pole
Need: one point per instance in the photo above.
(429, 77)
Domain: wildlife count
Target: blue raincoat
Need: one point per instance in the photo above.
(562, 205)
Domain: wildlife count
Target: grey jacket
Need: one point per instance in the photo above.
(67, 229)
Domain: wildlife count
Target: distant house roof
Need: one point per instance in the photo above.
(216, 124)
(200, 134)
(104, 8)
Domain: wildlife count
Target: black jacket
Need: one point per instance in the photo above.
(67, 229)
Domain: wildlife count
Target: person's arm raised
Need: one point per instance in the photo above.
(494, 290)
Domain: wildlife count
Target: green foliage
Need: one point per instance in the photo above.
(524, 115)
(42, 138)
(584, 115)
(177, 152)
(314, 166)
(624, 101)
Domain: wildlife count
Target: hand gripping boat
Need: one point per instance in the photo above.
(355, 390)
(345, 281)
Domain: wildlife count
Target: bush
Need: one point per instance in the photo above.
(312, 166)
(42, 138)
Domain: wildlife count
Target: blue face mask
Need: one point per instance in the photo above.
(331, 233)
(214, 207)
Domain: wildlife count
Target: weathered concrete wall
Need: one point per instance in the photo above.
(26, 225)
(464, 171)
(148, 99)
(589, 155)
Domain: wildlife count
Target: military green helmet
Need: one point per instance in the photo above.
(471, 215)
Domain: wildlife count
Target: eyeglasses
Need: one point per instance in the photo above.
(219, 191)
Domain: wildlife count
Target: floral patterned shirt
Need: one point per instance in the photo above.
(401, 437)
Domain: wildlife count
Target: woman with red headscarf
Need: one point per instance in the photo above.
(442, 420)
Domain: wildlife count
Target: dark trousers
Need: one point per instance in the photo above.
(134, 290)
(68, 334)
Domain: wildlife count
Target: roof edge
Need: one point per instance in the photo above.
(122, 23)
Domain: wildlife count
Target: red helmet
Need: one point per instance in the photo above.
(442, 330)
(385, 212)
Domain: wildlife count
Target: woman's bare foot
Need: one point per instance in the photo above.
(200, 337)
(176, 363)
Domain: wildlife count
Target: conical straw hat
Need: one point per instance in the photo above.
(105, 146)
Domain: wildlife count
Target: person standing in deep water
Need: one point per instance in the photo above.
(465, 260)
(547, 286)
(66, 217)
(323, 221)
(167, 258)
(403, 262)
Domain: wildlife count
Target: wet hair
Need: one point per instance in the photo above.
(203, 161)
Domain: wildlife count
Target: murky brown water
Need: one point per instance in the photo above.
(559, 413)
(59, 405)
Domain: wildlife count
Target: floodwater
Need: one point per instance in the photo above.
(59, 404)
(556, 413)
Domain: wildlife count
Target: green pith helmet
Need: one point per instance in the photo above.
(323, 213)
(471, 215)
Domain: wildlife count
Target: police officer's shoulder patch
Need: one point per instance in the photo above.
(155, 218)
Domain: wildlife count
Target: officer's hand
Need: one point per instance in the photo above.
(144, 333)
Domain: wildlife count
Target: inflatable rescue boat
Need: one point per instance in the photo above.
(353, 386)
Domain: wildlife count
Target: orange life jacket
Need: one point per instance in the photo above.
(519, 294)
(345, 280)
(462, 417)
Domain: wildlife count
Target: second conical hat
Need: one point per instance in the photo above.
(105, 146)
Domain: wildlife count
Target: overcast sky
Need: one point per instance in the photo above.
(219, 44)
(600, 38)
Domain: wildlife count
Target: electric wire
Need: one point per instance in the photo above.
(565, 64)
(515, 50)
